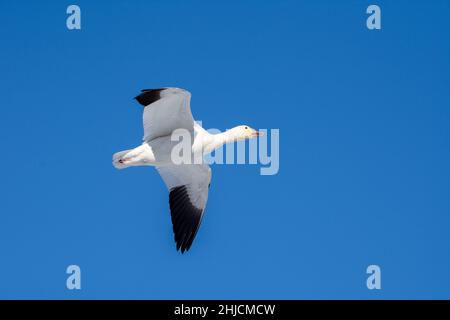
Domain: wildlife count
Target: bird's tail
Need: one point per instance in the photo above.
(117, 159)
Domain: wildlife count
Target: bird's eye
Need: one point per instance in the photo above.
(246, 127)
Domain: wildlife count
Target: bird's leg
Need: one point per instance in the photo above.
(127, 159)
(132, 156)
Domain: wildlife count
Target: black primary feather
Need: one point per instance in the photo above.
(186, 218)
(148, 96)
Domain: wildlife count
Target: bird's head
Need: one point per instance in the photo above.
(244, 132)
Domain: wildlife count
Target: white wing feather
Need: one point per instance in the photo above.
(167, 114)
(196, 178)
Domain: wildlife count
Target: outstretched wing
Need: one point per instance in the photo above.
(188, 185)
(165, 110)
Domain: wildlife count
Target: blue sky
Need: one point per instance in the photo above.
(364, 149)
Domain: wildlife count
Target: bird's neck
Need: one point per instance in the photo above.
(227, 137)
(219, 139)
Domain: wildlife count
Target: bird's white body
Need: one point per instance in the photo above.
(158, 151)
(167, 111)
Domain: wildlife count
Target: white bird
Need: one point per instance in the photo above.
(166, 110)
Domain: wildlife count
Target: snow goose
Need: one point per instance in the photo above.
(166, 110)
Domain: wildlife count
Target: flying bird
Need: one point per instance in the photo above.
(167, 110)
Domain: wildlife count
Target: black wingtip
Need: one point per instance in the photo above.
(148, 96)
(186, 218)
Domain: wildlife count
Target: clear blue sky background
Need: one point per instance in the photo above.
(364, 145)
